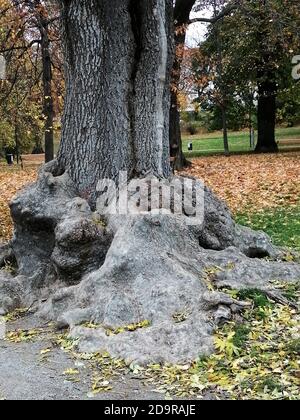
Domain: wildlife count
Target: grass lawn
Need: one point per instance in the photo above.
(238, 141)
(282, 224)
(213, 142)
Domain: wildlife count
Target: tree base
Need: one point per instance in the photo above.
(267, 149)
(147, 288)
(181, 162)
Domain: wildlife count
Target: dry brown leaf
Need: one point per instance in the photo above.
(249, 183)
(11, 181)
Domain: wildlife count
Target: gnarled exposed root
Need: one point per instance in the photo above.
(145, 287)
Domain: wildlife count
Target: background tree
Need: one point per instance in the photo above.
(30, 32)
(182, 12)
(181, 18)
(19, 93)
(227, 100)
(210, 69)
(258, 42)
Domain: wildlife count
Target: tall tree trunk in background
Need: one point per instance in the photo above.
(266, 81)
(220, 83)
(175, 129)
(266, 117)
(47, 89)
(182, 12)
(225, 130)
(17, 141)
(117, 104)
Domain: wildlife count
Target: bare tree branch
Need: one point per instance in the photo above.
(225, 12)
(21, 47)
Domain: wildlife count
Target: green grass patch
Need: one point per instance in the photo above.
(291, 291)
(270, 384)
(241, 335)
(293, 347)
(259, 298)
(239, 142)
(261, 303)
(282, 224)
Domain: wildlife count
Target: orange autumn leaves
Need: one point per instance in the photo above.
(249, 183)
(11, 181)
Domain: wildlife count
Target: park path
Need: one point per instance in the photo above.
(26, 375)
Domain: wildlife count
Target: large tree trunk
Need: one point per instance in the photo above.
(266, 117)
(146, 273)
(117, 80)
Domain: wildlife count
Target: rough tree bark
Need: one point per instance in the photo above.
(117, 67)
(75, 266)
